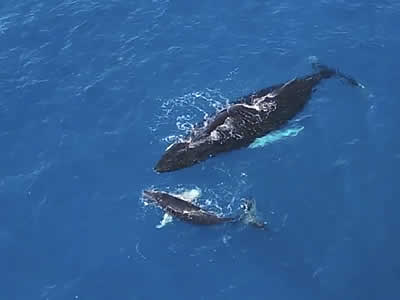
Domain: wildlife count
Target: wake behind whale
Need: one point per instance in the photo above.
(249, 118)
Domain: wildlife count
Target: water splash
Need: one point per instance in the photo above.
(190, 195)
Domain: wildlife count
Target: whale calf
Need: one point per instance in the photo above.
(194, 214)
(245, 120)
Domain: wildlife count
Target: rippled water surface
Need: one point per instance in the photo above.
(92, 92)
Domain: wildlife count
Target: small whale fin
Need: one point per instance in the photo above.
(327, 72)
(249, 215)
(350, 80)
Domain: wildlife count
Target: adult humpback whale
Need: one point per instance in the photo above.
(194, 214)
(250, 117)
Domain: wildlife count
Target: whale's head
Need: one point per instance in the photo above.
(177, 156)
(162, 199)
(151, 195)
(155, 197)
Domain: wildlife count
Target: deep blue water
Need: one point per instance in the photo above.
(89, 93)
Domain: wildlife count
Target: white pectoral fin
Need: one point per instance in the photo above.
(276, 136)
(167, 218)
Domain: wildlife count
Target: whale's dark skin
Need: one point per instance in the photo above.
(194, 214)
(243, 121)
(183, 209)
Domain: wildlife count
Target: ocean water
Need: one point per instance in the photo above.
(92, 92)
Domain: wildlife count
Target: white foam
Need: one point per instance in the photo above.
(190, 195)
(215, 136)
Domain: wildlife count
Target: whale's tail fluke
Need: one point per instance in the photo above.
(249, 214)
(327, 72)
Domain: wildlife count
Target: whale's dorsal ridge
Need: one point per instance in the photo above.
(247, 119)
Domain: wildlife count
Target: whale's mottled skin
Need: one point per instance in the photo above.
(251, 117)
(194, 214)
(184, 210)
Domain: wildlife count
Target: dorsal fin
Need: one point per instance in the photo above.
(276, 92)
(218, 120)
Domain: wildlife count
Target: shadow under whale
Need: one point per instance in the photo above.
(245, 120)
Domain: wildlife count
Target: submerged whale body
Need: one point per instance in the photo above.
(194, 214)
(250, 117)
